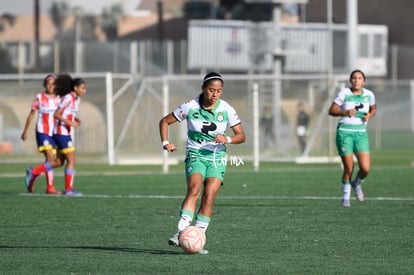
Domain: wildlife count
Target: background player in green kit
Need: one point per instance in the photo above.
(207, 117)
(354, 106)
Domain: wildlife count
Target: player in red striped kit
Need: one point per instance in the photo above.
(45, 103)
(66, 120)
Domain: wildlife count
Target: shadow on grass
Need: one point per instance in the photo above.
(106, 248)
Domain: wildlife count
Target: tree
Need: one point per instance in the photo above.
(58, 13)
(88, 25)
(109, 23)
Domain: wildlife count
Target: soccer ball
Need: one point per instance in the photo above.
(192, 239)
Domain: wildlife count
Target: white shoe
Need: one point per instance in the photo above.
(203, 251)
(346, 203)
(359, 194)
(173, 241)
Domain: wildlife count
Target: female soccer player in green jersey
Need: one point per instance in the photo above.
(207, 117)
(354, 106)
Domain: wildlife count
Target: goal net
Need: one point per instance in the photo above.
(267, 106)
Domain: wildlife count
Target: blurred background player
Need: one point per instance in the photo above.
(266, 122)
(302, 123)
(207, 120)
(354, 106)
(70, 92)
(45, 103)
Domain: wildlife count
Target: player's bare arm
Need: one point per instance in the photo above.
(27, 124)
(335, 110)
(59, 116)
(163, 126)
(371, 113)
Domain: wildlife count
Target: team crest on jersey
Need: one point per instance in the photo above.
(220, 117)
(366, 99)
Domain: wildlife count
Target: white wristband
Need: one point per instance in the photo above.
(228, 139)
(165, 142)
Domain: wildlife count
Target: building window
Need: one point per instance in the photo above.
(15, 53)
(378, 45)
(364, 45)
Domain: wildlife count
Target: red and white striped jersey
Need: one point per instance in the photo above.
(45, 105)
(70, 106)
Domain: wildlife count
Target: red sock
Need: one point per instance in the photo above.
(39, 170)
(69, 174)
(49, 178)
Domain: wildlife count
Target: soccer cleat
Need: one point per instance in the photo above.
(51, 190)
(29, 180)
(173, 241)
(72, 193)
(359, 194)
(203, 251)
(346, 203)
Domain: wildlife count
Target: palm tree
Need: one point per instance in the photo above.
(109, 23)
(59, 12)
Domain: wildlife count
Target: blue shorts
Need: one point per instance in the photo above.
(64, 143)
(45, 142)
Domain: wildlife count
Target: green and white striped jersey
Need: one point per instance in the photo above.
(203, 125)
(347, 101)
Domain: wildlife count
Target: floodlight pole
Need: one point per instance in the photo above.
(331, 127)
(277, 71)
(352, 22)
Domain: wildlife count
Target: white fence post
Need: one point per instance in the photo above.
(133, 53)
(78, 57)
(165, 96)
(412, 104)
(110, 118)
(256, 129)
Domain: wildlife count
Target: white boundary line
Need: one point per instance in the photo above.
(219, 197)
(157, 173)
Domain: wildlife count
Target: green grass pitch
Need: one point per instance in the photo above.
(285, 219)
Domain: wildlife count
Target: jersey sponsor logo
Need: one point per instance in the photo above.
(47, 110)
(208, 126)
(359, 106)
